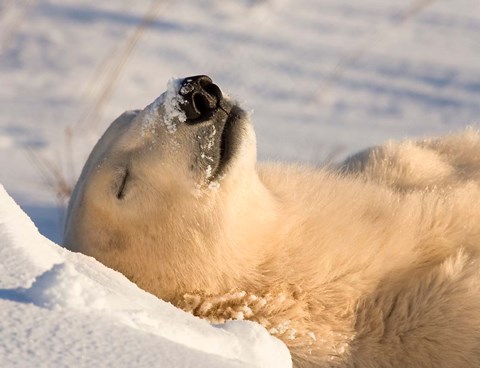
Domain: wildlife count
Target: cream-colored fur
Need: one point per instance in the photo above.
(372, 264)
(430, 164)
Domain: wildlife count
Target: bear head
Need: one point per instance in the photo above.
(170, 196)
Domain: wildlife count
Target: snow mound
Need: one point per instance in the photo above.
(63, 287)
(59, 308)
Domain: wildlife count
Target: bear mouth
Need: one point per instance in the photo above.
(230, 140)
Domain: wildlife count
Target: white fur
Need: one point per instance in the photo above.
(371, 264)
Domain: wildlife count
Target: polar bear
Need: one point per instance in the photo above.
(374, 263)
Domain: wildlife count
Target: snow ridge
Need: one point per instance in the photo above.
(77, 295)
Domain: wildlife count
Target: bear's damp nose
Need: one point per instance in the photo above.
(202, 97)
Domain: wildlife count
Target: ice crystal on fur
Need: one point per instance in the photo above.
(171, 101)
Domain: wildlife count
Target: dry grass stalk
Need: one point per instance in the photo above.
(115, 68)
(55, 178)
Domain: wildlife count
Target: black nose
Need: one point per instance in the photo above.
(202, 97)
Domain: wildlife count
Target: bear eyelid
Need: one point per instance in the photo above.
(121, 188)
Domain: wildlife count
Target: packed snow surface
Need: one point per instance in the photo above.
(59, 308)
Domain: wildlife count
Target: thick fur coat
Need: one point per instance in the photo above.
(374, 263)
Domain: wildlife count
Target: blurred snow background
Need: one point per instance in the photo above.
(323, 77)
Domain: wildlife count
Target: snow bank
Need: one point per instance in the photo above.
(59, 308)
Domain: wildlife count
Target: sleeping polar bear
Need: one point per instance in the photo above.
(371, 264)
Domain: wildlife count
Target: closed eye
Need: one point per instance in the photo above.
(121, 188)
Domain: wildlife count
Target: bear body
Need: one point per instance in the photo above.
(374, 263)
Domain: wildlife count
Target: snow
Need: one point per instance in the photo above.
(325, 78)
(59, 307)
(173, 111)
(63, 287)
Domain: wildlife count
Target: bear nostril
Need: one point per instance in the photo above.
(201, 98)
(203, 104)
(213, 90)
